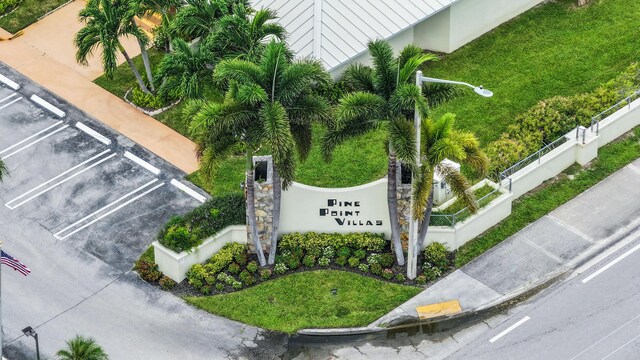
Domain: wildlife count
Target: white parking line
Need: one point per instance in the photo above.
(30, 137)
(11, 103)
(604, 268)
(103, 139)
(142, 163)
(45, 104)
(8, 97)
(188, 190)
(509, 329)
(58, 234)
(8, 204)
(12, 84)
(35, 142)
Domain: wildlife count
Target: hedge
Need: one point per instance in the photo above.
(315, 241)
(185, 232)
(6, 5)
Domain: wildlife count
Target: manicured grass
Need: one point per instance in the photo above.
(553, 49)
(148, 255)
(531, 207)
(27, 13)
(123, 78)
(304, 300)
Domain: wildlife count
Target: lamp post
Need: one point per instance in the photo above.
(28, 331)
(412, 261)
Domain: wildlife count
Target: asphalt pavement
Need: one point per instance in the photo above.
(81, 203)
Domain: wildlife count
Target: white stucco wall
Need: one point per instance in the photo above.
(357, 209)
(618, 123)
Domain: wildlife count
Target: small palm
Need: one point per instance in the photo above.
(81, 348)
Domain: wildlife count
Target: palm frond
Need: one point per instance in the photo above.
(413, 64)
(402, 137)
(459, 185)
(279, 138)
(244, 72)
(359, 77)
(299, 77)
(422, 188)
(362, 106)
(437, 94)
(251, 94)
(384, 67)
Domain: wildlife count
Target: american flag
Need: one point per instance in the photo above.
(14, 263)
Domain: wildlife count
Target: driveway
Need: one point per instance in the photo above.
(80, 205)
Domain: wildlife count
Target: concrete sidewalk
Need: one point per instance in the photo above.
(554, 244)
(46, 55)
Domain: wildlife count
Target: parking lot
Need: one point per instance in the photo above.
(81, 203)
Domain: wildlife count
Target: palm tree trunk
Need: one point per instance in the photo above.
(147, 64)
(133, 68)
(392, 203)
(425, 221)
(275, 223)
(251, 209)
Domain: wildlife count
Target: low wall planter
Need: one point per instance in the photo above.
(176, 265)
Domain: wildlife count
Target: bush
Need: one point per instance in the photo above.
(236, 285)
(233, 268)
(220, 287)
(341, 260)
(344, 251)
(328, 252)
(205, 290)
(225, 256)
(247, 278)
(437, 255)
(148, 271)
(431, 272)
(360, 254)
(309, 261)
(324, 261)
(210, 280)
(144, 100)
(401, 278)
(316, 252)
(386, 260)
(354, 262)
(421, 280)
(374, 259)
(280, 268)
(8, 5)
(207, 219)
(252, 267)
(311, 240)
(265, 274)
(179, 238)
(364, 268)
(387, 274)
(375, 268)
(166, 283)
(293, 263)
(240, 258)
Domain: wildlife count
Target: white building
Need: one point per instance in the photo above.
(337, 31)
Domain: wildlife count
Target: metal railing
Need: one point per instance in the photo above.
(536, 156)
(595, 120)
(452, 219)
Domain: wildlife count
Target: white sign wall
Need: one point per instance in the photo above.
(356, 209)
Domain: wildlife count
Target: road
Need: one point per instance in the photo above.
(81, 203)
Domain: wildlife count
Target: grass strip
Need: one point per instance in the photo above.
(534, 205)
(305, 300)
(27, 13)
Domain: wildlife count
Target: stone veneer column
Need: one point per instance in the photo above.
(404, 206)
(264, 204)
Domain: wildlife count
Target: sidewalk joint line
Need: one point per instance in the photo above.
(571, 228)
(548, 253)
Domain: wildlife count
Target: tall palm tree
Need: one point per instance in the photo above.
(105, 22)
(81, 348)
(441, 141)
(243, 33)
(199, 18)
(385, 98)
(269, 103)
(183, 70)
(164, 8)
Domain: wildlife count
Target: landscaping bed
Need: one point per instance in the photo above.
(27, 13)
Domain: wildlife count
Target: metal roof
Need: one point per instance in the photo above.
(335, 31)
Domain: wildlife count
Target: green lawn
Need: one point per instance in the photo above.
(123, 78)
(304, 300)
(553, 49)
(27, 13)
(531, 207)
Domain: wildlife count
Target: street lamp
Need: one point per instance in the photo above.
(412, 261)
(28, 331)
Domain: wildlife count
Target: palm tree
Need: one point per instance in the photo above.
(3, 170)
(199, 18)
(269, 103)
(385, 98)
(243, 33)
(105, 22)
(441, 141)
(81, 348)
(183, 70)
(162, 7)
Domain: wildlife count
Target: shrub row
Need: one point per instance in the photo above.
(185, 232)
(7, 5)
(316, 242)
(551, 118)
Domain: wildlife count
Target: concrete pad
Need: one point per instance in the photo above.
(606, 207)
(510, 265)
(555, 238)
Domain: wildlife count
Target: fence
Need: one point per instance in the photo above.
(626, 102)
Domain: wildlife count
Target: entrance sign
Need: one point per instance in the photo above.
(343, 210)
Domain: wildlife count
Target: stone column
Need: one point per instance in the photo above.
(264, 202)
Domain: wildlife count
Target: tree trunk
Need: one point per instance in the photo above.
(392, 202)
(133, 68)
(425, 221)
(251, 209)
(147, 64)
(275, 223)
